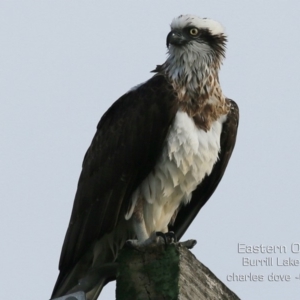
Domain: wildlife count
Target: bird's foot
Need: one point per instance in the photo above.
(156, 238)
(168, 237)
(138, 245)
(159, 238)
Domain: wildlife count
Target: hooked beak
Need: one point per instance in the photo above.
(176, 38)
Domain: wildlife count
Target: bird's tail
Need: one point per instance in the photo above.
(92, 282)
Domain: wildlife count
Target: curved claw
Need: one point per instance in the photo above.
(168, 237)
(171, 236)
(162, 235)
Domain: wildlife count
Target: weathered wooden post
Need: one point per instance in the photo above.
(167, 272)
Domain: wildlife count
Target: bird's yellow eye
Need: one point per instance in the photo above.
(194, 31)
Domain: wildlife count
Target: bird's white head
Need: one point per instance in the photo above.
(194, 46)
(184, 21)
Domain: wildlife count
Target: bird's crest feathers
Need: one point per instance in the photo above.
(202, 23)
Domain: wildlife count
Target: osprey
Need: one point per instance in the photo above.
(158, 154)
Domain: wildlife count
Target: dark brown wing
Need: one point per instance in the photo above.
(126, 146)
(203, 192)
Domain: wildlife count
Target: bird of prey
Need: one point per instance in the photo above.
(158, 155)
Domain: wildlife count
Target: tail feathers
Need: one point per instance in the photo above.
(92, 283)
(96, 267)
(95, 292)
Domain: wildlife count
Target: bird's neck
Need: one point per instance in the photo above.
(196, 83)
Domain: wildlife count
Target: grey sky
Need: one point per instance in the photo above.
(63, 63)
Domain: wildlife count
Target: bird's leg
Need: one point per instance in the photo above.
(143, 239)
(139, 228)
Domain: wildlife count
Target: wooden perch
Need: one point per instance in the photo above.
(167, 272)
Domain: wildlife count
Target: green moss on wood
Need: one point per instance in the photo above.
(154, 272)
(164, 272)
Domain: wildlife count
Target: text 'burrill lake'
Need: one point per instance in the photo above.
(294, 248)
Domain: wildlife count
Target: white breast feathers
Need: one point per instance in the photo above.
(188, 156)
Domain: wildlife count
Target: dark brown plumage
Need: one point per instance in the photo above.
(129, 143)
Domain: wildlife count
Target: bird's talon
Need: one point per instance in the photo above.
(171, 236)
(162, 235)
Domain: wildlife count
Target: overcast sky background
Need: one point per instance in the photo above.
(63, 63)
